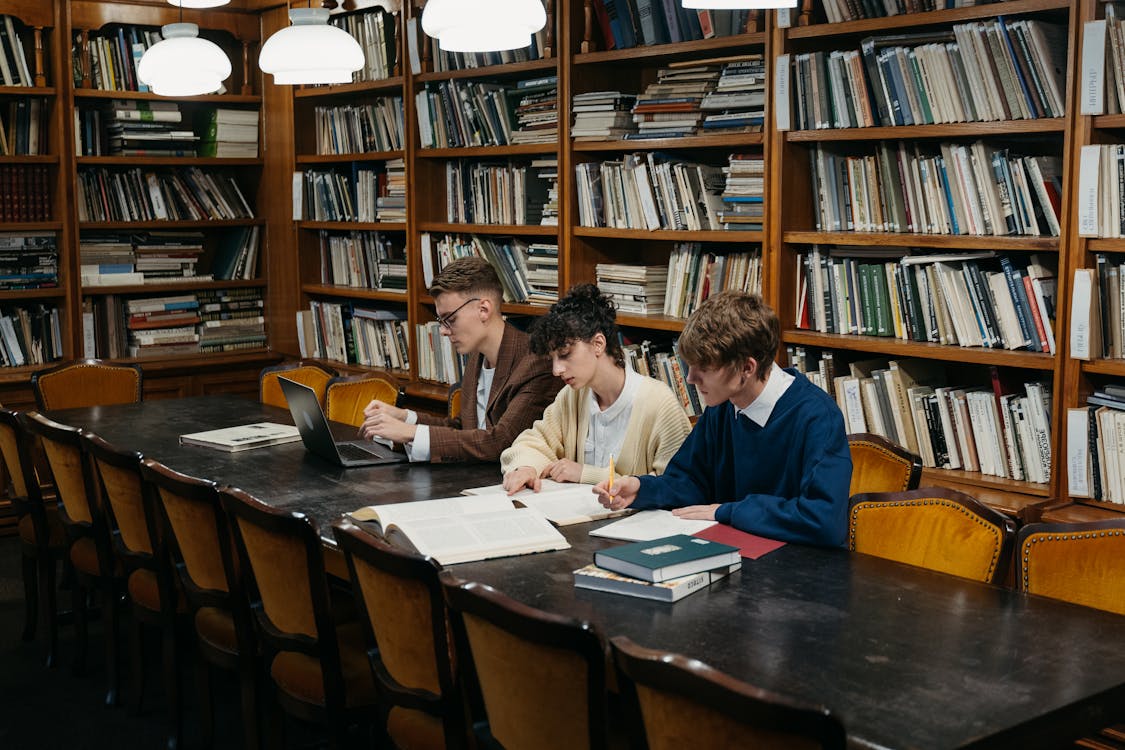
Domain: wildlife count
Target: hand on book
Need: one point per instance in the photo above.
(520, 477)
(382, 422)
(563, 470)
(696, 512)
(620, 495)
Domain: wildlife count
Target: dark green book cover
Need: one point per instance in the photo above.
(669, 557)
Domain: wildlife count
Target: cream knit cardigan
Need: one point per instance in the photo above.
(657, 426)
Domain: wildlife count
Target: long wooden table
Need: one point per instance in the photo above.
(905, 657)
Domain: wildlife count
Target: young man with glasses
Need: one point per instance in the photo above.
(505, 387)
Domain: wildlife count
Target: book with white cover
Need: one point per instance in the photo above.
(244, 437)
(650, 524)
(561, 503)
(464, 529)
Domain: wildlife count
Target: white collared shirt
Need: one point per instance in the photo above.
(760, 409)
(606, 432)
(419, 449)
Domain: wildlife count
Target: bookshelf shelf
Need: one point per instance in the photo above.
(375, 226)
(156, 224)
(8, 295)
(428, 389)
(719, 235)
(158, 363)
(178, 161)
(914, 132)
(822, 31)
(509, 70)
(1109, 121)
(28, 91)
(942, 241)
(738, 140)
(176, 286)
(19, 375)
(80, 93)
(335, 290)
(523, 308)
(1106, 245)
(39, 159)
(348, 158)
(983, 480)
(391, 85)
(346, 368)
(30, 226)
(519, 149)
(654, 322)
(894, 347)
(536, 230)
(657, 52)
(1112, 367)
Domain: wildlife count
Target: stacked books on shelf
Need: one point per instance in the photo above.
(136, 194)
(743, 195)
(14, 70)
(227, 133)
(543, 273)
(331, 195)
(108, 259)
(659, 360)
(169, 256)
(236, 254)
(494, 193)
(361, 259)
(29, 260)
(672, 106)
(695, 273)
(1095, 447)
(141, 128)
(650, 191)
(457, 114)
(29, 335)
(162, 326)
(231, 320)
(988, 70)
(23, 127)
(738, 102)
(360, 128)
(25, 192)
(637, 290)
(437, 360)
(549, 173)
(666, 569)
(376, 30)
(390, 202)
(949, 188)
(536, 110)
(509, 256)
(958, 299)
(343, 332)
(602, 116)
(632, 23)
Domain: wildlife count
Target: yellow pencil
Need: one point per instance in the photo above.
(610, 473)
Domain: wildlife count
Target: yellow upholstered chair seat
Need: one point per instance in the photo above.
(88, 383)
(216, 627)
(84, 556)
(300, 674)
(346, 398)
(1079, 563)
(878, 465)
(417, 730)
(310, 374)
(934, 528)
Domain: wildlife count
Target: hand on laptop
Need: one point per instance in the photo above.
(383, 422)
(380, 407)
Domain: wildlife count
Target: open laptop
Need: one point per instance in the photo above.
(317, 436)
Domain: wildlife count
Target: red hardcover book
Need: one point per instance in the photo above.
(750, 546)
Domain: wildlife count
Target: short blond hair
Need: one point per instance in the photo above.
(469, 276)
(728, 329)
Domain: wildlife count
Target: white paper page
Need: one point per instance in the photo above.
(441, 507)
(575, 504)
(482, 535)
(648, 525)
(547, 485)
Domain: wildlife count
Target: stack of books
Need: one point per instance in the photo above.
(536, 110)
(666, 569)
(362, 259)
(147, 128)
(228, 133)
(231, 319)
(162, 326)
(168, 256)
(549, 174)
(634, 289)
(738, 103)
(29, 260)
(743, 206)
(602, 115)
(672, 107)
(543, 273)
(108, 259)
(391, 203)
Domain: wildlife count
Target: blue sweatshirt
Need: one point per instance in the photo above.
(788, 480)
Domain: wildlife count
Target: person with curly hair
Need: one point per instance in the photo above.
(607, 410)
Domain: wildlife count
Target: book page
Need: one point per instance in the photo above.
(443, 506)
(244, 436)
(481, 536)
(648, 525)
(576, 503)
(546, 485)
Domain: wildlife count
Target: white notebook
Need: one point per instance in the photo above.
(648, 525)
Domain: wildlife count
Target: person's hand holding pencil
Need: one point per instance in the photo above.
(617, 494)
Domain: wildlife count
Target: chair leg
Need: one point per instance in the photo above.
(203, 684)
(250, 718)
(80, 627)
(30, 595)
(49, 597)
(275, 723)
(112, 608)
(173, 666)
(137, 663)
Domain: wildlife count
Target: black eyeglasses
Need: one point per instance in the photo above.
(446, 321)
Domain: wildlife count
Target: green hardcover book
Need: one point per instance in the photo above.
(670, 557)
(672, 590)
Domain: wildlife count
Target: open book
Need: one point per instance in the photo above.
(648, 525)
(463, 529)
(245, 437)
(562, 503)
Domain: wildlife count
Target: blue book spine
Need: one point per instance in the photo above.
(948, 193)
(1019, 300)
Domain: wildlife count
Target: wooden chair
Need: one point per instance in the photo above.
(88, 382)
(935, 528)
(312, 374)
(542, 677)
(319, 670)
(453, 401)
(408, 639)
(41, 533)
(672, 702)
(89, 548)
(346, 397)
(878, 465)
(198, 539)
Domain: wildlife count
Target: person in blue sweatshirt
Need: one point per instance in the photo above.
(770, 453)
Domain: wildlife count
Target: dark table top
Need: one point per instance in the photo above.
(905, 657)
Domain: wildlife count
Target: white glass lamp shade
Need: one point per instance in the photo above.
(182, 64)
(483, 25)
(739, 4)
(310, 51)
(198, 3)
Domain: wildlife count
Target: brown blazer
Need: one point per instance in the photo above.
(522, 388)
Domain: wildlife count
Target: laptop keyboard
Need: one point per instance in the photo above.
(353, 452)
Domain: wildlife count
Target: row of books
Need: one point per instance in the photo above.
(1095, 446)
(114, 52)
(975, 72)
(363, 196)
(343, 332)
(14, 43)
(29, 260)
(231, 320)
(836, 11)
(632, 23)
(1101, 205)
(1103, 42)
(445, 60)
(146, 257)
(360, 128)
(650, 191)
(136, 194)
(23, 127)
(659, 360)
(947, 188)
(508, 192)
(967, 299)
(437, 360)
(696, 272)
(528, 272)
(30, 335)
(361, 259)
(693, 97)
(1097, 318)
(455, 114)
(376, 30)
(535, 110)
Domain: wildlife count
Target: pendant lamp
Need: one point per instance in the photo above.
(311, 50)
(739, 4)
(483, 25)
(183, 64)
(198, 3)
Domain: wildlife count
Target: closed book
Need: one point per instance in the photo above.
(665, 558)
(245, 437)
(598, 579)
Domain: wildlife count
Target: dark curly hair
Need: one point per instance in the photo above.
(579, 316)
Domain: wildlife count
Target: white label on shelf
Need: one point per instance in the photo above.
(1077, 447)
(784, 20)
(1093, 68)
(1088, 165)
(298, 195)
(781, 92)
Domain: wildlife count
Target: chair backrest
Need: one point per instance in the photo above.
(89, 382)
(672, 702)
(15, 447)
(878, 465)
(453, 401)
(541, 676)
(935, 528)
(312, 374)
(66, 457)
(1082, 563)
(126, 508)
(346, 397)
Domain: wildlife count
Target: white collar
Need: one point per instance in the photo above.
(760, 409)
(628, 391)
